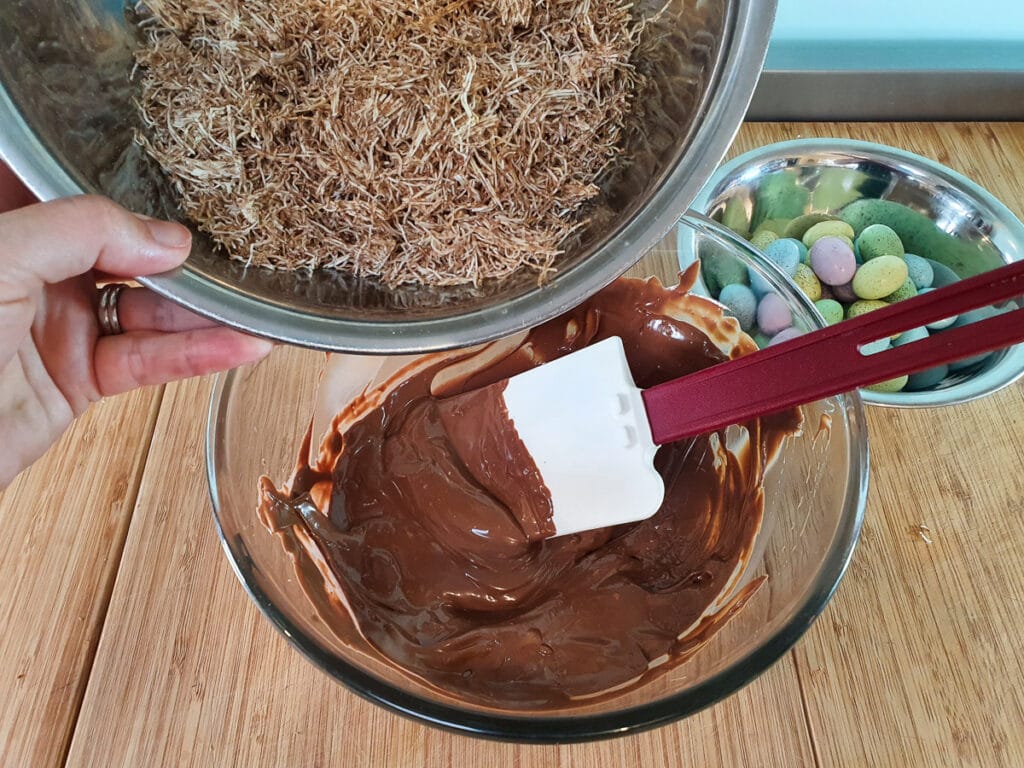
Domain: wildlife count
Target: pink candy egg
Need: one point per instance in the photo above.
(833, 261)
(773, 315)
(785, 335)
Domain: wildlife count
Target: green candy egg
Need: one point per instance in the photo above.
(831, 310)
(906, 291)
(828, 229)
(879, 277)
(879, 240)
(761, 340)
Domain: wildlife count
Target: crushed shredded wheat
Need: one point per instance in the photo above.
(430, 141)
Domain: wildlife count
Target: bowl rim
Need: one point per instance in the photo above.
(747, 27)
(1010, 367)
(581, 728)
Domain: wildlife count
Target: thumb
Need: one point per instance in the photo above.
(51, 242)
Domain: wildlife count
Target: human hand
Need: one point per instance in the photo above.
(54, 361)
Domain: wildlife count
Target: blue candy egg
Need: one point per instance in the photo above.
(758, 284)
(741, 303)
(909, 337)
(920, 271)
(927, 379)
(787, 254)
(875, 347)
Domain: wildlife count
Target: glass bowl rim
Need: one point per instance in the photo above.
(580, 728)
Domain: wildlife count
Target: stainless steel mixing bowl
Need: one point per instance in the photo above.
(66, 125)
(989, 232)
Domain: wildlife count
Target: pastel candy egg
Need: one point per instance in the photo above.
(831, 310)
(879, 277)
(874, 347)
(741, 303)
(919, 270)
(785, 335)
(927, 379)
(844, 293)
(892, 385)
(798, 227)
(761, 340)
(975, 315)
(758, 284)
(939, 325)
(906, 291)
(805, 257)
(827, 229)
(784, 254)
(861, 307)
(773, 315)
(879, 240)
(849, 243)
(909, 337)
(763, 238)
(807, 282)
(832, 261)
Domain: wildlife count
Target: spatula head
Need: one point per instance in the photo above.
(583, 421)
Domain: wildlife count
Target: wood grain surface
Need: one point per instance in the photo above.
(916, 662)
(64, 522)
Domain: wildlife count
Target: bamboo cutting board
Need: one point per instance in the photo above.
(916, 662)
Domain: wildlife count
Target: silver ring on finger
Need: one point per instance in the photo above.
(110, 325)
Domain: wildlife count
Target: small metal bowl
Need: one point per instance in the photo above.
(836, 172)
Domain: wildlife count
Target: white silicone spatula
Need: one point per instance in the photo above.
(593, 434)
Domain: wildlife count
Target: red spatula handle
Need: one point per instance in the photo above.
(829, 362)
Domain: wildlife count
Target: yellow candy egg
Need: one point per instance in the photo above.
(879, 277)
(862, 307)
(807, 282)
(892, 385)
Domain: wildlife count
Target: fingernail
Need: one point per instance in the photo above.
(257, 349)
(168, 233)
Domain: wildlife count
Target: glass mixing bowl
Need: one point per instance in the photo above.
(814, 504)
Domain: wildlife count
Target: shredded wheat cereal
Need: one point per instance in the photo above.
(431, 141)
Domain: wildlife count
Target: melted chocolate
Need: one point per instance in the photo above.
(436, 562)
(483, 436)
